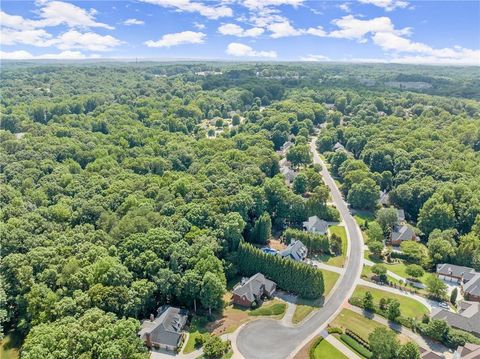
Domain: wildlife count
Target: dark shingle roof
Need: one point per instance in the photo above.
(167, 327)
(456, 271)
(468, 319)
(253, 287)
(295, 250)
(403, 233)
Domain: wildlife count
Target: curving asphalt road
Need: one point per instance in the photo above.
(269, 339)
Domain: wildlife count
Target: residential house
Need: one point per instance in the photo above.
(166, 330)
(428, 354)
(400, 216)
(315, 225)
(253, 289)
(286, 146)
(467, 319)
(338, 147)
(467, 277)
(384, 200)
(467, 351)
(402, 232)
(295, 250)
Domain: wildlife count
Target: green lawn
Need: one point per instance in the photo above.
(325, 350)
(10, 346)
(197, 328)
(356, 323)
(305, 306)
(337, 261)
(408, 306)
(363, 215)
(267, 310)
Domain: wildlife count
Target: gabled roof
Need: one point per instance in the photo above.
(252, 287)
(456, 271)
(467, 319)
(316, 225)
(400, 215)
(338, 146)
(384, 199)
(295, 250)
(472, 287)
(468, 351)
(167, 327)
(402, 233)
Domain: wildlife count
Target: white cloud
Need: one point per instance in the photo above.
(356, 29)
(130, 22)
(179, 38)
(391, 41)
(33, 37)
(199, 25)
(284, 29)
(388, 5)
(211, 12)
(345, 7)
(55, 13)
(315, 58)
(235, 30)
(25, 55)
(241, 50)
(86, 41)
(259, 4)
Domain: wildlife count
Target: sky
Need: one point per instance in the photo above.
(399, 31)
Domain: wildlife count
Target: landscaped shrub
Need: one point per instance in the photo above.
(359, 348)
(274, 309)
(301, 278)
(313, 241)
(311, 351)
(358, 338)
(334, 330)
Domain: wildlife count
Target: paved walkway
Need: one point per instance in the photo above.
(421, 341)
(430, 304)
(396, 276)
(342, 347)
(322, 265)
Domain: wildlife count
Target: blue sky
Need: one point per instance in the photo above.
(432, 32)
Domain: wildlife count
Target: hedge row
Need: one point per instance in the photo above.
(311, 352)
(359, 348)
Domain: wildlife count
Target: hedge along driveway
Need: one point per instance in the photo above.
(408, 306)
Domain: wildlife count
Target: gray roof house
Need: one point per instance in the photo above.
(295, 250)
(466, 276)
(400, 215)
(384, 199)
(286, 146)
(315, 225)
(253, 289)
(468, 351)
(401, 233)
(457, 272)
(338, 147)
(468, 318)
(164, 331)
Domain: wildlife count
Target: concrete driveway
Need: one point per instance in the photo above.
(270, 339)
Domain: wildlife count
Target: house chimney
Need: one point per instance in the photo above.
(152, 317)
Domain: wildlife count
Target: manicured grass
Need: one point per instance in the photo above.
(408, 306)
(363, 215)
(355, 322)
(305, 306)
(10, 346)
(329, 280)
(325, 350)
(272, 309)
(338, 261)
(197, 328)
(356, 346)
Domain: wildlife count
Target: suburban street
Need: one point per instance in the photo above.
(267, 338)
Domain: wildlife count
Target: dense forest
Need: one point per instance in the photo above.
(128, 186)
